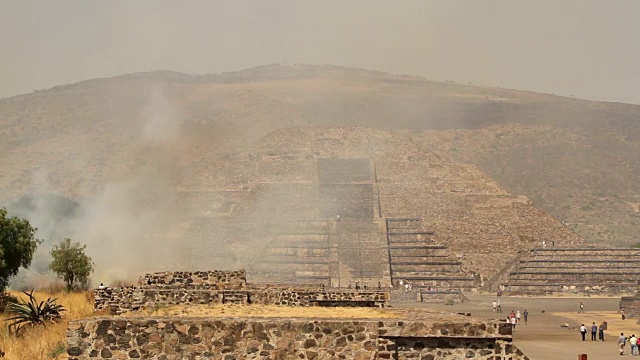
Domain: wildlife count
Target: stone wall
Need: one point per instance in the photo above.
(319, 298)
(215, 280)
(121, 300)
(631, 306)
(448, 348)
(278, 338)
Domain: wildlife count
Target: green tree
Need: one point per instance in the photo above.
(18, 243)
(71, 264)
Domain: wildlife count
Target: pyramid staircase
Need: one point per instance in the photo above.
(415, 257)
(299, 253)
(361, 253)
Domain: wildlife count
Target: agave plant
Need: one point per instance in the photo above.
(30, 313)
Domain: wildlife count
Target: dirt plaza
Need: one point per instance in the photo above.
(544, 337)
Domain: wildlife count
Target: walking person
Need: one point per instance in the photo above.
(622, 341)
(513, 323)
(633, 341)
(494, 304)
(499, 307)
(601, 332)
(594, 331)
(583, 332)
(518, 316)
(526, 316)
(581, 307)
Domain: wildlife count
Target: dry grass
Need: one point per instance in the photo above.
(268, 311)
(40, 342)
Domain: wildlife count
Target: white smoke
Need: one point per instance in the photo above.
(122, 225)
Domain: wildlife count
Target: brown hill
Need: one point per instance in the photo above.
(574, 158)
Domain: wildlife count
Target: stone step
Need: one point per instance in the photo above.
(398, 261)
(436, 278)
(563, 288)
(569, 281)
(567, 260)
(416, 247)
(586, 252)
(437, 273)
(616, 269)
(396, 232)
(584, 272)
(434, 269)
(560, 284)
(412, 257)
(292, 260)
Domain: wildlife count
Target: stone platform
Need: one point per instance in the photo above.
(395, 334)
(575, 270)
(226, 287)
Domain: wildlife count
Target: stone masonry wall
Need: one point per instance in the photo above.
(278, 338)
(319, 298)
(120, 300)
(631, 306)
(214, 280)
(449, 348)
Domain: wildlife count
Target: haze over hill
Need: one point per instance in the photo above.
(587, 48)
(122, 146)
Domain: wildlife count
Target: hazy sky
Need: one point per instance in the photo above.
(587, 48)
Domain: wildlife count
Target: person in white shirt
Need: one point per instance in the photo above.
(633, 341)
(518, 315)
(494, 305)
(583, 332)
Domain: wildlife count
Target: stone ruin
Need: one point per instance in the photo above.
(631, 304)
(586, 271)
(225, 287)
(389, 334)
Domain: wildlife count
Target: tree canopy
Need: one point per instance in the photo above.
(18, 243)
(71, 264)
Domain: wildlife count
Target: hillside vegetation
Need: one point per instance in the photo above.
(576, 159)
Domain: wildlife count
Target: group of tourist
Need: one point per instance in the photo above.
(599, 331)
(515, 316)
(633, 341)
(595, 330)
(497, 307)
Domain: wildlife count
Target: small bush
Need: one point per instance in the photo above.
(5, 300)
(31, 313)
(59, 349)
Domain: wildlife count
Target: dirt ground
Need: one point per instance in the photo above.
(543, 338)
(269, 311)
